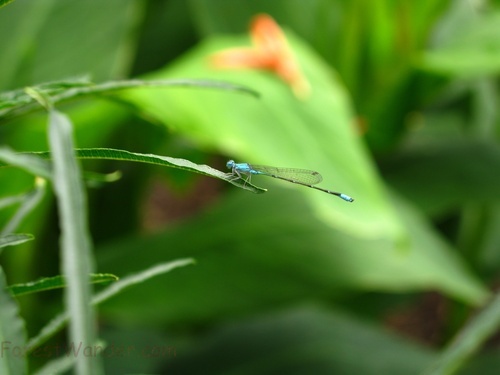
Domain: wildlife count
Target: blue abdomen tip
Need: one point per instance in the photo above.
(346, 198)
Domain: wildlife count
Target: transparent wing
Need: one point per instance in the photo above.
(304, 176)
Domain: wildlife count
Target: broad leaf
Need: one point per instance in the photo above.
(280, 130)
(278, 257)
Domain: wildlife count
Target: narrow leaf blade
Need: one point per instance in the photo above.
(12, 333)
(14, 239)
(76, 255)
(56, 282)
(60, 320)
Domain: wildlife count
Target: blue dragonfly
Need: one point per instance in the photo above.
(304, 177)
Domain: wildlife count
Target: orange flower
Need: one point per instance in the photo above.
(270, 52)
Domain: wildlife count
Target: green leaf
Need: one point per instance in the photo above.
(49, 24)
(167, 162)
(113, 154)
(139, 278)
(125, 282)
(5, 2)
(276, 251)
(445, 174)
(469, 340)
(22, 103)
(60, 365)
(38, 167)
(64, 363)
(55, 282)
(28, 162)
(357, 39)
(306, 340)
(23, 22)
(14, 239)
(280, 130)
(9, 201)
(12, 334)
(76, 253)
(96, 180)
(32, 199)
(472, 48)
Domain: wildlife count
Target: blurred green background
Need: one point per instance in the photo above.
(402, 116)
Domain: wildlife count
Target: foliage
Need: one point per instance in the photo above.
(400, 113)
